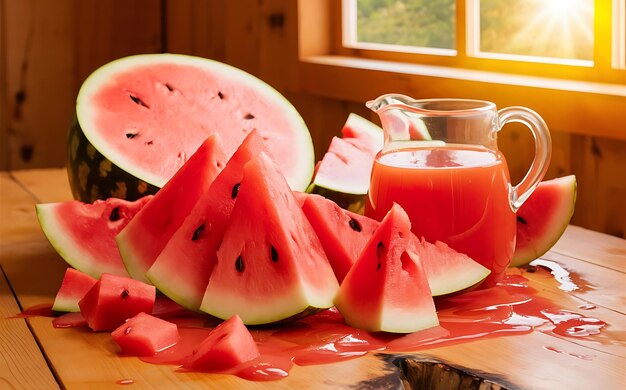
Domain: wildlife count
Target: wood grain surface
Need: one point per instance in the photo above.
(33, 349)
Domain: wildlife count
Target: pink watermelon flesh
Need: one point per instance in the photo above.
(343, 234)
(74, 286)
(543, 218)
(387, 289)
(145, 335)
(344, 168)
(363, 134)
(271, 266)
(113, 300)
(227, 346)
(183, 268)
(142, 240)
(447, 270)
(149, 113)
(84, 234)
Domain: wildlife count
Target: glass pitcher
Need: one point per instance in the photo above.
(441, 163)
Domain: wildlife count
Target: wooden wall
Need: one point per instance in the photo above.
(48, 47)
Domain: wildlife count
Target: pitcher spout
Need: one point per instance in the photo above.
(388, 101)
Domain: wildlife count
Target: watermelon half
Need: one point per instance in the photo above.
(84, 234)
(543, 217)
(143, 116)
(271, 266)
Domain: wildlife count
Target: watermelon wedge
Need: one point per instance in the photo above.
(343, 234)
(343, 174)
(182, 269)
(271, 266)
(386, 289)
(448, 271)
(84, 234)
(543, 218)
(74, 286)
(142, 240)
(140, 118)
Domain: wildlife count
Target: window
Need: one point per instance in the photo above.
(571, 39)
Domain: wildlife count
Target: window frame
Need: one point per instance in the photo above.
(468, 56)
(577, 103)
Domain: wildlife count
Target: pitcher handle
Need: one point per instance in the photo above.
(543, 151)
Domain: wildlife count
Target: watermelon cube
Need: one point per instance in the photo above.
(74, 286)
(114, 299)
(227, 346)
(145, 335)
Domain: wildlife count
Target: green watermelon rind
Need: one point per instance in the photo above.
(555, 228)
(301, 170)
(65, 246)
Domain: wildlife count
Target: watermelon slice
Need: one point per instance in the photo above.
(139, 118)
(84, 234)
(227, 346)
(271, 266)
(543, 218)
(145, 335)
(343, 174)
(343, 234)
(74, 286)
(448, 271)
(114, 299)
(363, 134)
(142, 240)
(386, 289)
(183, 268)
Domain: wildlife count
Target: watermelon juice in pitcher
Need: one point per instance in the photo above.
(441, 163)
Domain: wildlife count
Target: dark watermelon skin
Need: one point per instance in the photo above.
(92, 176)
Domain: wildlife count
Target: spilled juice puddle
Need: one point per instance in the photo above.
(511, 308)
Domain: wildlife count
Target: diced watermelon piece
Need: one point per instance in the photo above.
(227, 346)
(183, 268)
(271, 265)
(343, 234)
(145, 335)
(84, 234)
(142, 240)
(114, 299)
(74, 286)
(386, 289)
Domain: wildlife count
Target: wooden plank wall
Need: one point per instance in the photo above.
(48, 48)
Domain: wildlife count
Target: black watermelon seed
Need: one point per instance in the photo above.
(521, 220)
(115, 214)
(149, 142)
(131, 135)
(197, 233)
(239, 264)
(380, 249)
(249, 116)
(274, 254)
(355, 225)
(138, 101)
(378, 266)
(169, 87)
(221, 95)
(235, 191)
(125, 294)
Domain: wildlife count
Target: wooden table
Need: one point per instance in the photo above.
(35, 355)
